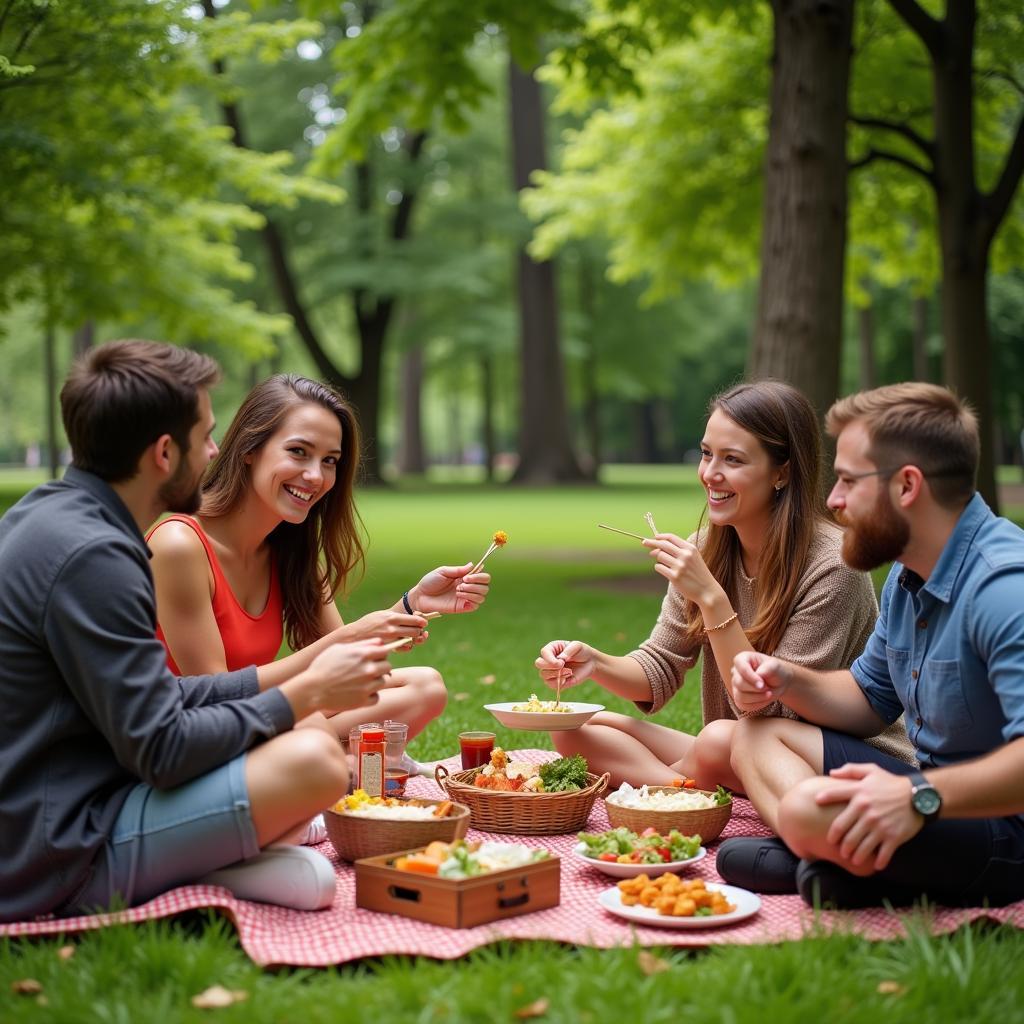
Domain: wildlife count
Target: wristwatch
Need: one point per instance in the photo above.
(924, 797)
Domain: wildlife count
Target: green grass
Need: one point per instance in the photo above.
(550, 581)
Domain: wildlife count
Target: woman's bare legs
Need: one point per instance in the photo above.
(633, 750)
(415, 696)
(707, 760)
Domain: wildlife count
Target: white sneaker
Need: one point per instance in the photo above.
(288, 876)
(316, 832)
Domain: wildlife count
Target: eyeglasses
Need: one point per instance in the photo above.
(848, 479)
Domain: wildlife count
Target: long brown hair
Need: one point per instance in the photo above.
(784, 423)
(314, 557)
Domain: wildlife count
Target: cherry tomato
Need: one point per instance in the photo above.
(609, 858)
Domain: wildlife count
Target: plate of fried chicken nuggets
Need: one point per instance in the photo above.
(672, 902)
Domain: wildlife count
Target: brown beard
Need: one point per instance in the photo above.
(181, 494)
(880, 537)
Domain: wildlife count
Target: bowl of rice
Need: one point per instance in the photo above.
(360, 826)
(691, 811)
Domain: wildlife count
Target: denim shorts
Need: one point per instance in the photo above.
(953, 861)
(165, 838)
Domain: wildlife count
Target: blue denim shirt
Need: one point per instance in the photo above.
(950, 649)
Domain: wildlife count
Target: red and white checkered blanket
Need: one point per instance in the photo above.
(275, 936)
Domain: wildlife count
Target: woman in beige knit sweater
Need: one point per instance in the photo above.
(764, 573)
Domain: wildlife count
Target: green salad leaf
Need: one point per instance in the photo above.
(565, 774)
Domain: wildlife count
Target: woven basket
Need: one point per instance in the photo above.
(707, 822)
(522, 814)
(354, 837)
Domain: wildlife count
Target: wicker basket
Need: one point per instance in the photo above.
(522, 814)
(354, 837)
(707, 822)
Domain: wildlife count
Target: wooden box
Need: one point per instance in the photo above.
(456, 903)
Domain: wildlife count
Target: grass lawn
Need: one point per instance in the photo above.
(559, 576)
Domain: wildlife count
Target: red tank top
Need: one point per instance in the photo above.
(248, 639)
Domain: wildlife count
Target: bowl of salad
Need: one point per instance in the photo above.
(623, 853)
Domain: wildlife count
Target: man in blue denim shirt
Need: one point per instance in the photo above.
(856, 826)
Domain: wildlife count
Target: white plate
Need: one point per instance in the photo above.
(543, 721)
(617, 870)
(746, 902)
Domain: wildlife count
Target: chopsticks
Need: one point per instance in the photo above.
(625, 533)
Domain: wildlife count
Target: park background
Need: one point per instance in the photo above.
(529, 241)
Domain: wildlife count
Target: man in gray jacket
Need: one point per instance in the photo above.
(119, 780)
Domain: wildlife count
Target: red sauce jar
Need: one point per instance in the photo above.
(371, 762)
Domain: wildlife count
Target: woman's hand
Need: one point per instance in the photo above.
(758, 679)
(573, 660)
(385, 625)
(681, 564)
(450, 589)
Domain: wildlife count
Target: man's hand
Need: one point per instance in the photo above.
(345, 676)
(571, 660)
(450, 589)
(758, 679)
(878, 817)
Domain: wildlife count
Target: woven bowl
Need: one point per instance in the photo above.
(523, 814)
(354, 837)
(707, 822)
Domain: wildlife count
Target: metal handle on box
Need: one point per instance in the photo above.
(397, 892)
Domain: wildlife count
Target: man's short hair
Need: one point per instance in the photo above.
(121, 396)
(919, 424)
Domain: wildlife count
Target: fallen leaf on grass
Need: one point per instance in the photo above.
(26, 987)
(488, 680)
(217, 997)
(535, 1009)
(460, 696)
(583, 624)
(891, 988)
(66, 952)
(620, 635)
(651, 964)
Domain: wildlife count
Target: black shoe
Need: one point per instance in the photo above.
(763, 865)
(826, 885)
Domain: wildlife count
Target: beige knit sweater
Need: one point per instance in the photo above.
(833, 617)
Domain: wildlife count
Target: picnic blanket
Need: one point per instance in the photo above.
(275, 936)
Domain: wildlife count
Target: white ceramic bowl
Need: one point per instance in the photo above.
(543, 721)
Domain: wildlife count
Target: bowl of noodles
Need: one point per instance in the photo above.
(535, 715)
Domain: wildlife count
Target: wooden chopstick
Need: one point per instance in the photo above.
(625, 533)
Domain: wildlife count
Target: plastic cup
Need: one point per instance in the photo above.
(396, 735)
(476, 748)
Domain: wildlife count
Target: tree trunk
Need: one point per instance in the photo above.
(411, 456)
(647, 446)
(591, 398)
(798, 330)
(964, 233)
(545, 447)
(50, 382)
(922, 314)
(866, 346)
(487, 414)
(82, 340)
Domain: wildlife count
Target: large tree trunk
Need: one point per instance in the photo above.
(545, 447)
(591, 397)
(798, 331)
(50, 382)
(964, 236)
(411, 456)
(487, 414)
(866, 345)
(922, 314)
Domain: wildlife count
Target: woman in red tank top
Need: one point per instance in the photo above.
(272, 546)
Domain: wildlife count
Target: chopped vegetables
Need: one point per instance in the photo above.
(466, 860)
(623, 846)
(564, 774)
(536, 705)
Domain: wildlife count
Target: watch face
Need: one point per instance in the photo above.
(926, 800)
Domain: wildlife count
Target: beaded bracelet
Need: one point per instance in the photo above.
(405, 601)
(722, 625)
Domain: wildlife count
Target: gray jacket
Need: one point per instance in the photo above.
(90, 708)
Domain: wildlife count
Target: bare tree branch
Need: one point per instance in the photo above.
(902, 128)
(874, 154)
(6, 11)
(921, 23)
(997, 202)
